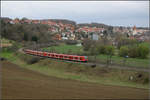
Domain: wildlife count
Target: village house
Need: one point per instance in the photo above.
(95, 37)
(15, 21)
(28, 21)
(35, 21)
(57, 37)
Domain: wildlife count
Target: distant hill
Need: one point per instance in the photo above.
(64, 21)
(98, 25)
(146, 28)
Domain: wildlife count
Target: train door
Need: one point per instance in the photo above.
(70, 57)
(81, 58)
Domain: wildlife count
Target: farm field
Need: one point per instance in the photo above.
(73, 49)
(21, 83)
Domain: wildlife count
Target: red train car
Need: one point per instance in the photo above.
(57, 56)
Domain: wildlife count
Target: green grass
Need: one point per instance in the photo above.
(77, 71)
(63, 48)
(8, 55)
(131, 62)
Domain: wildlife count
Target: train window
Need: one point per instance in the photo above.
(81, 58)
(76, 57)
(66, 57)
(70, 57)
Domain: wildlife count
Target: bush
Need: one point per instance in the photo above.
(140, 51)
(29, 59)
(102, 49)
(87, 43)
(33, 60)
(133, 52)
(125, 42)
(109, 50)
(71, 42)
(123, 51)
(93, 50)
(143, 51)
(13, 48)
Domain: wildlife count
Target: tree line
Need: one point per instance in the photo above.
(25, 32)
(123, 48)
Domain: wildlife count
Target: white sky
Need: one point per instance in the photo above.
(126, 13)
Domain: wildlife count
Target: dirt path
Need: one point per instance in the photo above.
(18, 83)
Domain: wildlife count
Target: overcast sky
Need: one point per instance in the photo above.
(124, 13)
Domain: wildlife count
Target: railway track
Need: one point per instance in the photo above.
(95, 64)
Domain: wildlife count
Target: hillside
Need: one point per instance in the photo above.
(98, 25)
(22, 83)
(64, 21)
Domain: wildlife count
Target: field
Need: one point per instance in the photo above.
(21, 83)
(73, 49)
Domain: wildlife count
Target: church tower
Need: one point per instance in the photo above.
(134, 30)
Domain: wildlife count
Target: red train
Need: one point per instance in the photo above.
(57, 56)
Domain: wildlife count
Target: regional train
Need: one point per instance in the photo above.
(57, 56)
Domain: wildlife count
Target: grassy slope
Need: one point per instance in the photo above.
(77, 71)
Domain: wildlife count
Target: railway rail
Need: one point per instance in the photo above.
(93, 64)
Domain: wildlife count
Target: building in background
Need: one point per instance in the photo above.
(95, 37)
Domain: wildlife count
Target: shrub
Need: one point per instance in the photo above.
(87, 43)
(13, 48)
(93, 50)
(29, 59)
(33, 60)
(143, 51)
(138, 51)
(71, 42)
(146, 80)
(102, 49)
(109, 50)
(123, 51)
(133, 52)
(125, 42)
